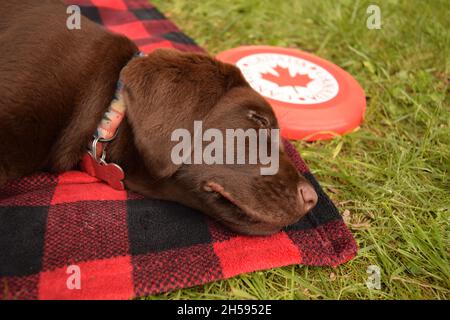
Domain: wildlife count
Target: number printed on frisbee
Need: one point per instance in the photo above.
(312, 98)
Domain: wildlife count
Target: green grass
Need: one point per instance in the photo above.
(392, 175)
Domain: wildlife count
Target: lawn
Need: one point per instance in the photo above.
(390, 178)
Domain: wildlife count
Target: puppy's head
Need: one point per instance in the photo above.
(170, 90)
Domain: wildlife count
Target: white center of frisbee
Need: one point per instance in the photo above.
(288, 79)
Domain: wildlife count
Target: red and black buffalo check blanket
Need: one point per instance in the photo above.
(70, 236)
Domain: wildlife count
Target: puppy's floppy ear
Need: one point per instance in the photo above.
(169, 90)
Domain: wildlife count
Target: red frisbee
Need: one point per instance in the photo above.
(313, 99)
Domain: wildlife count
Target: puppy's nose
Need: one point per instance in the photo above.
(308, 195)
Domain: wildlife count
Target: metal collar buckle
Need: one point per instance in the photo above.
(93, 149)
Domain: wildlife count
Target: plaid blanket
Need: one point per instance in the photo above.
(70, 236)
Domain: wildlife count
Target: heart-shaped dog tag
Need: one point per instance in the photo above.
(110, 173)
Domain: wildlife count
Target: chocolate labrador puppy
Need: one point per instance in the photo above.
(56, 84)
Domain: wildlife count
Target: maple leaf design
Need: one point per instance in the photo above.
(285, 79)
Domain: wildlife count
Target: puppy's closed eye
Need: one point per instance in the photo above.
(259, 119)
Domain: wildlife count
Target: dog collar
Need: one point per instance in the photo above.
(94, 160)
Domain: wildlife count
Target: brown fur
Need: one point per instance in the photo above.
(55, 85)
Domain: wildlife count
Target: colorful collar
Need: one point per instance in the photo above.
(94, 161)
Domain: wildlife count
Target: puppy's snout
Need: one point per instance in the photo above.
(309, 196)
